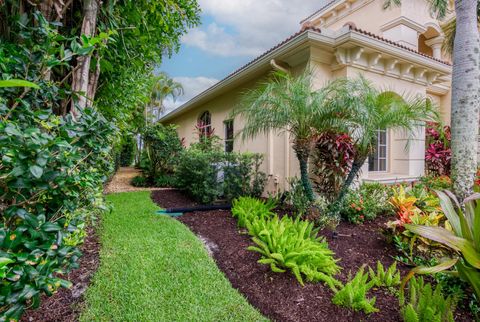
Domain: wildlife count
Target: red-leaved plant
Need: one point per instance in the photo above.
(438, 153)
(331, 161)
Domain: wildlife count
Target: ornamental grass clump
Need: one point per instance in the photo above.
(245, 209)
(293, 244)
(423, 303)
(354, 294)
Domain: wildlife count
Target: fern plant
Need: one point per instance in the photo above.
(245, 209)
(354, 294)
(293, 244)
(423, 303)
(385, 278)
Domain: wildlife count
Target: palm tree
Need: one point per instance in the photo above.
(288, 103)
(465, 88)
(163, 87)
(373, 110)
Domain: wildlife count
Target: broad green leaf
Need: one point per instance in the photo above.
(36, 171)
(447, 238)
(17, 83)
(449, 211)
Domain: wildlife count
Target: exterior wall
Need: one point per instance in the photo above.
(279, 159)
(405, 151)
(361, 13)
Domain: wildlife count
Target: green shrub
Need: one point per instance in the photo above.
(242, 175)
(354, 294)
(423, 303)
(366, 203)
(163, 148)
(297, 198)
(165, 181)
(197, 174)
(139, 181)
(385, 278)
(288, 244)
(209, 175)
(245, 209)
(52, 169)
(127, 151)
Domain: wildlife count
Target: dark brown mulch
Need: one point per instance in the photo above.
(66, 304)
(279, 296)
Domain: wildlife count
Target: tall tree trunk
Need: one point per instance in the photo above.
(465, 98)
(82, 74)
(302, 150)
(356, 167)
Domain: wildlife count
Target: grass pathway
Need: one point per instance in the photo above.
(152, 268)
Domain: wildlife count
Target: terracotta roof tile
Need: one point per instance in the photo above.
(372, 35)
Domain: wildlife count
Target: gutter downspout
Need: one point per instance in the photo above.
(277, 66)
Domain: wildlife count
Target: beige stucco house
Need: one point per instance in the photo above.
(399, 49)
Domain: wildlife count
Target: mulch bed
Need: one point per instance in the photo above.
(279, 296)
(67, 304)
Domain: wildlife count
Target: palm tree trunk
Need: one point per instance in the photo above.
(465, 98)
(303, 154)
(357, 164)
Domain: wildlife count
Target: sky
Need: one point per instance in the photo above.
(232, 33)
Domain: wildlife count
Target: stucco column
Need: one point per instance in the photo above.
(436, 45)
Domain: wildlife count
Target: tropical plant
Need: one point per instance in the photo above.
(438, 153)
(127, 150)
(464, 38)
(372, 110)
(293, 244)
(423, 303)
(242, 175)
(331, 160)
(207, 175)
(385, 277)
(245, 209)
(366, 203)
(354, 294)
(287, 103)
(163, 87)
(463, 240)
(53, 170)
(163, 147)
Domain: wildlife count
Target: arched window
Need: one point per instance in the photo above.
(205, 124)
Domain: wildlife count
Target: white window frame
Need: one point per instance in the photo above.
(377, 148)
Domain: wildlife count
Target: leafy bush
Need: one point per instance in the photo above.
(366, 203)
(425, 304)
(331, 160)
(354, 294)
(197, 174)
(127, 151)
(297, 198)
(385, 278)
(245, 209)
(52, 169)
(163, 148)
(436, 182)
(209, 175)
(288, 244)
(139, 181)
(438, 153)
(462, 239)
(165, 180)
(242, 175)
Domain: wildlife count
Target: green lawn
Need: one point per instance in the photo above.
(152, 268)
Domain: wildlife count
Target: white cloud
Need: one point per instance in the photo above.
(192, 86)
(248, 27)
